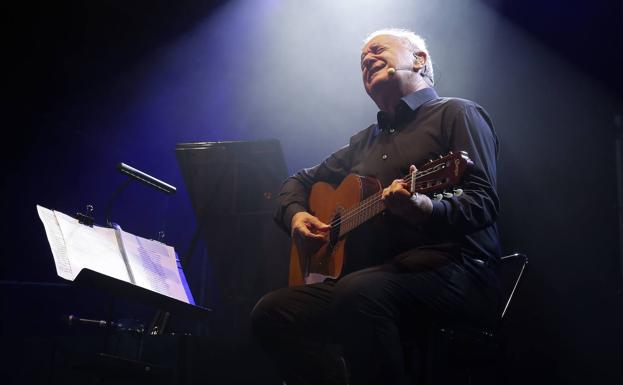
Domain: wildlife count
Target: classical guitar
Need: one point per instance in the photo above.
(356, 200)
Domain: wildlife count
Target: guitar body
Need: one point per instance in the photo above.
(327, 204)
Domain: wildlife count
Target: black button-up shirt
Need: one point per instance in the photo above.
(425, 127)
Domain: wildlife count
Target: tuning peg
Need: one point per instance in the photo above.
(440, 156)
(448, 195)
(430, 161)
(437, 197)
(457, 192)
(450, 153)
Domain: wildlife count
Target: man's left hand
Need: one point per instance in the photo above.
(416, 208)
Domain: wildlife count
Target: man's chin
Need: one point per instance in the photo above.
(377, 85)
(378, 76)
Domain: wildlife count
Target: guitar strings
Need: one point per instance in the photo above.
(373, 200)
(376, 198)
(366, 204)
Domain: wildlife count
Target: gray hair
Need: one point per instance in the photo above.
(415, 42)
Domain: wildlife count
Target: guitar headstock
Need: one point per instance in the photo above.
(441, 174)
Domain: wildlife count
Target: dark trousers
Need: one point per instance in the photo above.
(363, 316)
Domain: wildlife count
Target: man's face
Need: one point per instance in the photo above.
(379, 54)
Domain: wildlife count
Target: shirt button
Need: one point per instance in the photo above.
(384, 156)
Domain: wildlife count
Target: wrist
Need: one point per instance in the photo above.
(422, 208)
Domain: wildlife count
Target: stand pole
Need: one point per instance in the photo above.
(618, 124)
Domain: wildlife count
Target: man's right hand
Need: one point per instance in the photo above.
(308, 232)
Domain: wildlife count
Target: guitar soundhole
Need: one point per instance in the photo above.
(334, 234)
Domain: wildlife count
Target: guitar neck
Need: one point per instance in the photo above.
(358, 215)
(370, 207)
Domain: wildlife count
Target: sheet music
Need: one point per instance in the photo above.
(75, 246)
(153, 266)
(94, 247)
(57, 243)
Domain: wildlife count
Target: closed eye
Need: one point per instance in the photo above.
(374, 49)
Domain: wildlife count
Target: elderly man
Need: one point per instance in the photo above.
(426, 259)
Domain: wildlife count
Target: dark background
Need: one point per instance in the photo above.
(90, 84)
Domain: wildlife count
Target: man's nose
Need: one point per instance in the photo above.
(368, 60)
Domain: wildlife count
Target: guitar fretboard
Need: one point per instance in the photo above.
(353, 218)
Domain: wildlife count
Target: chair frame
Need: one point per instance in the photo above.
(524, 259)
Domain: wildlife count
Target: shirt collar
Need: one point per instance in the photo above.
(406, 108)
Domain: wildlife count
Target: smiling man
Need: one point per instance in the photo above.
(425, 259)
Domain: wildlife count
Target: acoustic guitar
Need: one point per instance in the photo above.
(355, 201)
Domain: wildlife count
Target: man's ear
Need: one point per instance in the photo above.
(419, 61)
